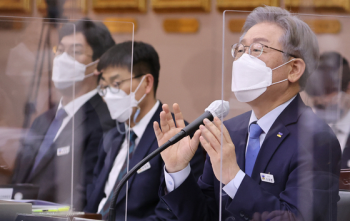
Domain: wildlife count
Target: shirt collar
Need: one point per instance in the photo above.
(72, 107)
(140, 127)
(342, 124)
(268, 119)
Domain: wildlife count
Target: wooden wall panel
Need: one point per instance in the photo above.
(15, 6)
(119, 5)
(181, 5)
(323, 5)
(243, 4)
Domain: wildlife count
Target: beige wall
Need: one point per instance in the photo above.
(190, 63)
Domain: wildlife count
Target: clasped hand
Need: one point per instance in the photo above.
(178, 156)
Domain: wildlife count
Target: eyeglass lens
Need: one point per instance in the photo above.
(254, 49)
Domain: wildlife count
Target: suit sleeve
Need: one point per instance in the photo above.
(162, 211)
(192, 201)
(311, 189)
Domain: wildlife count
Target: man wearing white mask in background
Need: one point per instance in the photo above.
(329, 92)
(45, 158)
(131, 96)
(279, 161)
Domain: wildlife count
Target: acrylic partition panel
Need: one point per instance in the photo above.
(286, 79)
(36, 138)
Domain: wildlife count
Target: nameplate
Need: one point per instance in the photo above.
(63, 151)
(267, 178)
(144, 168)
(181, 25)
(6, 193)
(121, 25)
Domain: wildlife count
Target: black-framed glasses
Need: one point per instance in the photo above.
(115, 87)
(255, 49)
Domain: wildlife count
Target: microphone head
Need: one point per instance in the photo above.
(219, 108)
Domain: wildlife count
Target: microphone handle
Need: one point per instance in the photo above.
(189, 129)
(173, 140)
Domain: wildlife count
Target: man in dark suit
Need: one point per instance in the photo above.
(279, 161)
(61, 147)
(142, 200)
(329, 92)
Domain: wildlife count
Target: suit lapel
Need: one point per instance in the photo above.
(239, 137)
(272, 142)
(113, 147)
(33, 142)
(268, 148)
(65, 137)
(143, 148)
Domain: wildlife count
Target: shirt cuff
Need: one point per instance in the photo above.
(232, 187)
(174, 180)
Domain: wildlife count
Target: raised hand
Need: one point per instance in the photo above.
(212, 142)
(177, 156)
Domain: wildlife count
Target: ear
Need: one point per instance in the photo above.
(149, 80)
(96, 72)
(297, 70)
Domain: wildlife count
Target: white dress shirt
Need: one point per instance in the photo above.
(174, 180)
(342, 129)
(72, 107)
(118, 163)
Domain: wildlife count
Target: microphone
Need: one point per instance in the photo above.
(218, 108)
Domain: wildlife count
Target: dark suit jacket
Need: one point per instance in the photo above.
(54, 173)
(305, 163)
(346, 155)
(143, 200)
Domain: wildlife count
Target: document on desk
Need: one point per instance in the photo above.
(41, 206)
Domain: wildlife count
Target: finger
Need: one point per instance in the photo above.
(206, 145)
(208, 135)
(159, 134)
(169, 117)
(213, 129)
(163, 122)
(226, 134)
(256, 217)
(264, 215)
(180, 123)
(195, 141)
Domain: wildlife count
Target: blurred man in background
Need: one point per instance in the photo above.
(329, 91)
(74, 127)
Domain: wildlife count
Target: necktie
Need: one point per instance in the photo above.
(49, 137)
(105, 208)
(253, 147)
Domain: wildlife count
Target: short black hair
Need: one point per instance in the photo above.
(332, 75)
(145, 59)
(96, 35)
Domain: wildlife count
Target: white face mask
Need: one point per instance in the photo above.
(251, 77)
(66, 71)
(120, 104)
